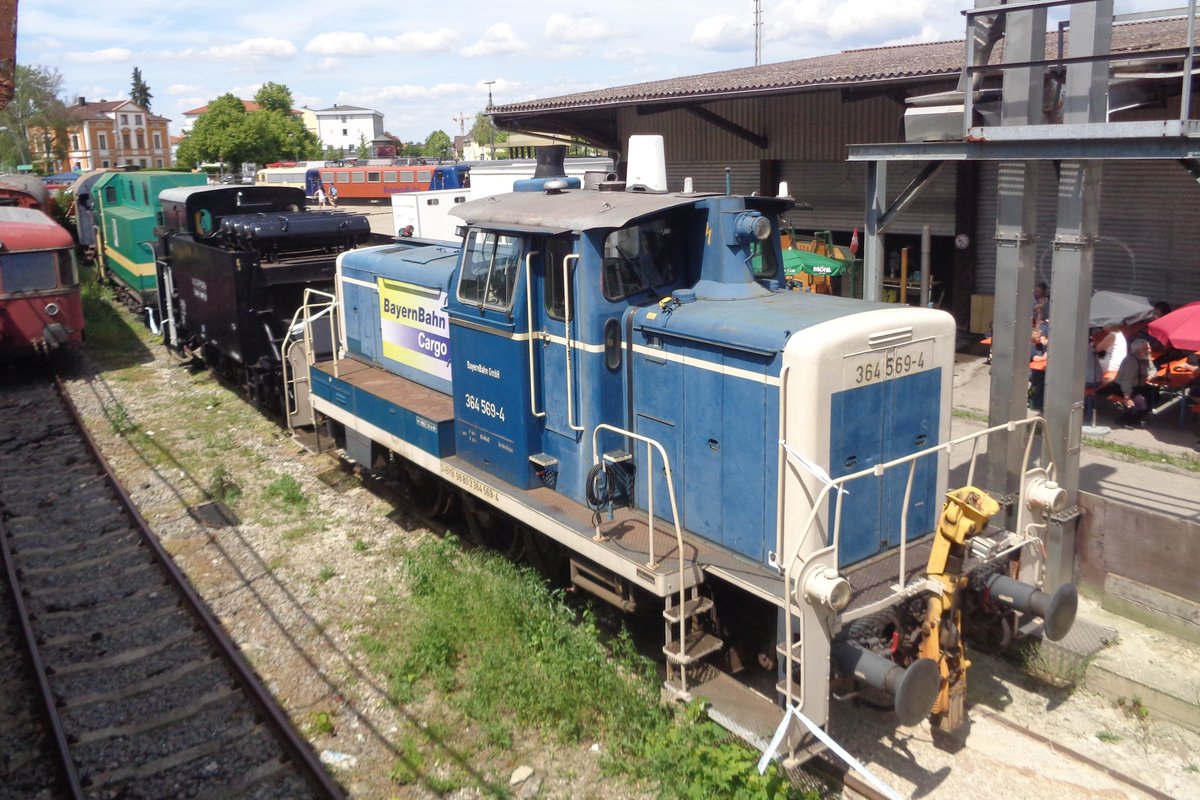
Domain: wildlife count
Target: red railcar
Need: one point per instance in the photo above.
(41, 310)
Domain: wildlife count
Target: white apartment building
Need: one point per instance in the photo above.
(345, 127)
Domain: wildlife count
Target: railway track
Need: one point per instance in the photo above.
(142, 695)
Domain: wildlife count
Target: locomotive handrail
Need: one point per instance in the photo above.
(794, 559)
(533, 409)
(651, 563)
(330, 302)
(567, 261)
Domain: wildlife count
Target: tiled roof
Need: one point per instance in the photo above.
(100, 110)
(876, 64)
(339, 109)
(249, 105)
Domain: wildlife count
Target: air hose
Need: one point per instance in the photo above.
(600, 490)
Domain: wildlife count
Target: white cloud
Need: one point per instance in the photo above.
(723, 32)
(500, 39)
(329, 63)
(406, 92)
(576, 28)
(262, 48)
(112, 55)
(355, 43)
(183, 89)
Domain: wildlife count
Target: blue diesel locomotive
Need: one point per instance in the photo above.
(621, 370)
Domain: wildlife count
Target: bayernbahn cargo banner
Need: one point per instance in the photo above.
(415, 328)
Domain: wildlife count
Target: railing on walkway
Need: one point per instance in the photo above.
(317, 305)
(793, 562)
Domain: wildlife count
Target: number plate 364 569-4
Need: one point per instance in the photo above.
(874, 366)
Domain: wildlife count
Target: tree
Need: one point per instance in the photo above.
(223, 134)
(139, 92)
(484, 133)
(284, 136)
(35, 122)
(229, 134)
(437, 145)
(273, 96)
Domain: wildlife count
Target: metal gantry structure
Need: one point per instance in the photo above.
(1079, 139)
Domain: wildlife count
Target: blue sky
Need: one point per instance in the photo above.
(423, 69)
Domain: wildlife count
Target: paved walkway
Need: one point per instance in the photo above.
(1132, 466)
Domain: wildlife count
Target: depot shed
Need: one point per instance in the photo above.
(792, 121)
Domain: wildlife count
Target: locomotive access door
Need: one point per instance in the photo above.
(871, 425)
(489, 358)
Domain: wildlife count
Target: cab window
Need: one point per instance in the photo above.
(637, 259)
(491, 264)
(28, 272)
(556, 251)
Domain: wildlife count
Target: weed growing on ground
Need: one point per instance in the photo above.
(360, 546)
(285, 491)
(321, 722)
(118, 418)
(505, 650)
(326, 573)
(1108, 737)
(222, 486)
(1134, 707)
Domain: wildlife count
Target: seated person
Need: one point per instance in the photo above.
(1110, 347)
(1133, 384)
(1038, 343)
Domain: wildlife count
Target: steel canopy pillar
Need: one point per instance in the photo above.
(873, 230)
(1078, 222)
(1016, 222)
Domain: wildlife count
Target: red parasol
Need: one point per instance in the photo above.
(1180, 328)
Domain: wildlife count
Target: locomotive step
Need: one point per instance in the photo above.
(692, 608)
(693, 650)
(796, 648)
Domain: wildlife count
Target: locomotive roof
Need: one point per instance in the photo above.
(30, 229)
(180, 194)
(762, 327)
(569, 210)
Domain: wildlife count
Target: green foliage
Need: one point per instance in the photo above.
(222, 486)
(438, 145)
(360, 546)
(36, 116)
(410, 761)
(1107, 736)
(321, 722)
(1134, 707)
(273, 96)
(326, 573)
(285, 491)
(229, 134)
(483, 132)
(139, 92)
(505, 650)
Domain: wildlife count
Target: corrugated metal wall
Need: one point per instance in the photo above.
(1149, 230)
(811, 126)
(709, 177)
(837, 193)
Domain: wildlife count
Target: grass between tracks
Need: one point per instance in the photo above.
(503, 650)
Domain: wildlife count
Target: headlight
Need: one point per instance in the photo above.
(752, 226)
(52, 309)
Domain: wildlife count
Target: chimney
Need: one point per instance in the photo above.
(81, 100)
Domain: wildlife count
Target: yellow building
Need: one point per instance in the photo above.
(110, 133)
